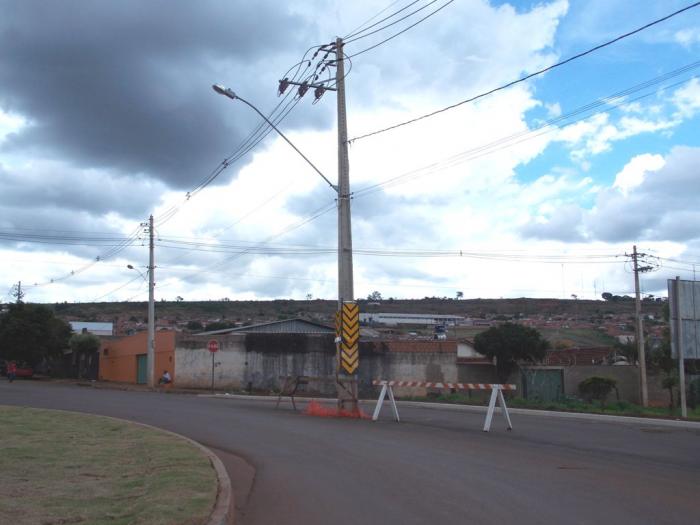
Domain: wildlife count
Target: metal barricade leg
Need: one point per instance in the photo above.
(393, 404)
(504, 408)
(382, 394)
(492, 406)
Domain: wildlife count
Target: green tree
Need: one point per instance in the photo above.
(84, 343)
(597, 388)
(510, 343)
(194, 326)
(374, 296)
(30, 333)
(84, 347)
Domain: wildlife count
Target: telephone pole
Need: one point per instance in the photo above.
(639, 331)
(347, 396)
(151, 350)
(347, 340)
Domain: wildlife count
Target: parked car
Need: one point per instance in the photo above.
(23, 369)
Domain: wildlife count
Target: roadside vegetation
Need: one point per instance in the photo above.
(568, 404)
(61, 467)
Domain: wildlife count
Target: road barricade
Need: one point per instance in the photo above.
(496, 395)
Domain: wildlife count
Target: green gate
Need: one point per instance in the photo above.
(141, 369)
(543, 384)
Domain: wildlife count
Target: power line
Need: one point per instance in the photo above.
(523, 79)
(117, 289)
(359, 29)
(401, 32)
(542, 129)
(350, 38)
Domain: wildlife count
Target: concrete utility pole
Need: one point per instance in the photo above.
(679, 346)
(151, 352)
(345, 275)
(347, 397)
(639, 331)
(347, 387)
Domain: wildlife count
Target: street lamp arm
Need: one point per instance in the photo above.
(131, 267)
(227, 92)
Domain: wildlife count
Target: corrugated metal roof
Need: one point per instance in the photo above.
(288, 326)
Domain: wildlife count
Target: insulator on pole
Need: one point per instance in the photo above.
(284, 84)
(318, 93)
(303, 89)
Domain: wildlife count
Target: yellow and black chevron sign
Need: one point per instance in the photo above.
(348, 329)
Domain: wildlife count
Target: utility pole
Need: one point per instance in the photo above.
(347, 397)
(639, 331)
(679, 347)
(151, 351)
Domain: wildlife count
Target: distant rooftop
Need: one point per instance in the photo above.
(287, 326)
(93, 328)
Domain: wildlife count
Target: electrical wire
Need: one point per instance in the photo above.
(117, 289)
(544, 128)
(313, 216)
(359, 29)
(522, 79)
(351, 39)
(402, 31)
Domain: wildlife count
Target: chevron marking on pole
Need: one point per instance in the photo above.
(349, 332)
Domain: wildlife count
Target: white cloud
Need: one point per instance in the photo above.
(653, 198)
(687, 99)
(632, 175)
(687, 37)
(10, 123)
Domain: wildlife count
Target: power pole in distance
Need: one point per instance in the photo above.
(151, 350)
(639, 331)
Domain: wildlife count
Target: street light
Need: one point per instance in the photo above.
(342, 190)
(131, 267)
(228, 92)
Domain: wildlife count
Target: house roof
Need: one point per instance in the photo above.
(287, 326)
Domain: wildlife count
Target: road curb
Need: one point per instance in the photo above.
(603, 418)
(221, 514)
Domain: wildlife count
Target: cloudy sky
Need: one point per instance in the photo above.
(540, 190)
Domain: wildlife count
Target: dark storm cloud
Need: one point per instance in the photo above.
(126, 85)
(58, 186)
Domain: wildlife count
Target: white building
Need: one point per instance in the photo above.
(394, 319)
(93, 328)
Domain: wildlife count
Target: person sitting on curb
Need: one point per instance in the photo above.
(165, 378)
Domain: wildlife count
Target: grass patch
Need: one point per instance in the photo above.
(59, 468)
(617, 408)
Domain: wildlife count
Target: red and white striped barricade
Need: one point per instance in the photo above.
(496, 394)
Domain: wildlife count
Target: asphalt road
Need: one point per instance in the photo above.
(436, 466)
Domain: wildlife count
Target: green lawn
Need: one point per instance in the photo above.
(61, 467)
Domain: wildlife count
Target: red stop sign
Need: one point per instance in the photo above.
(213, 346)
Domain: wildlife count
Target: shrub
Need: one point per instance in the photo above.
(597, 388)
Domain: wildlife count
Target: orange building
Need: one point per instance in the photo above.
(124, 359)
